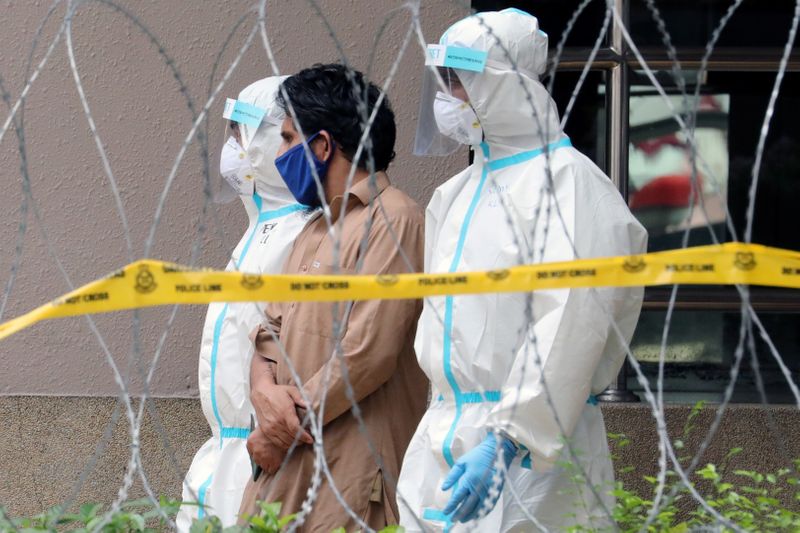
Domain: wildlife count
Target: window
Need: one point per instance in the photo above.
(625, 126)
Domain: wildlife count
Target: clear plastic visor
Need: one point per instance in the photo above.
(446, 68)
(429, 140)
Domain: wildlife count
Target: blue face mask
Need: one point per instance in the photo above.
(296, 172)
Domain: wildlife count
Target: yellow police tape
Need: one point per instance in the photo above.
(148, 283)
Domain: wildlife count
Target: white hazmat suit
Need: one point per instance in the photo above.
(493, 364)
(221, 468)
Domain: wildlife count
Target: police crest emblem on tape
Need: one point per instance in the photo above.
(634, 264)
(251, 281)
(145, 281)
(498, 275)
(744, 260)
(386, 280)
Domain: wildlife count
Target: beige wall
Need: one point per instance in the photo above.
(142, 119)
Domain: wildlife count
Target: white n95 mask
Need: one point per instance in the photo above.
(456, 119)
(234, 165)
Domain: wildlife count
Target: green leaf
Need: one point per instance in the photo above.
(138, 521)
(697, 408)
(708, 472)
(93, 523)
(258, 521)
(271, 509)
(283, 522)
(141, 502)
(734, 451)
(200, 526)
(89, 511)
(745, 473)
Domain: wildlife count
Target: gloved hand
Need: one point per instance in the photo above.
(472, 476)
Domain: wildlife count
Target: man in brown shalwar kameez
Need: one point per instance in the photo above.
(381, 233)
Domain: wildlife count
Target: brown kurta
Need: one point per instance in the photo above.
(377, 345)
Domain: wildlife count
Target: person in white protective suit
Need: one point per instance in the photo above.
(500, 363)
(220, 469)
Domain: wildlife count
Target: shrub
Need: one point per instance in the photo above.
(753, 501)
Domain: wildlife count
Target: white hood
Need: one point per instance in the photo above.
(500, 94)
(262, 144)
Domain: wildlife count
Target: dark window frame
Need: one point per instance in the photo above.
(617, 60)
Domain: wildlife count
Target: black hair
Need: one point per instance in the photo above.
(331, 97)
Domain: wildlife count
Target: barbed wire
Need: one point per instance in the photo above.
(548, 213)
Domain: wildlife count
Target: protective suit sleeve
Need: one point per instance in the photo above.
(376, 329)
(572, 336)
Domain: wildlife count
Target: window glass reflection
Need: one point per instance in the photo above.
(587, 118)
(667, 191)
(731, 110)
(700, 350)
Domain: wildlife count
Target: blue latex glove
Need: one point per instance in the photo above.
(472, 476)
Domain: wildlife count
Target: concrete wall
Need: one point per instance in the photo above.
(46, 443)
(142, 119)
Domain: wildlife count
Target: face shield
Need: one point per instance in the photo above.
(236, 171)
(446, 120)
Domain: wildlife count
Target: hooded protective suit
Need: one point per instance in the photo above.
(494, 362)
(221, 468)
